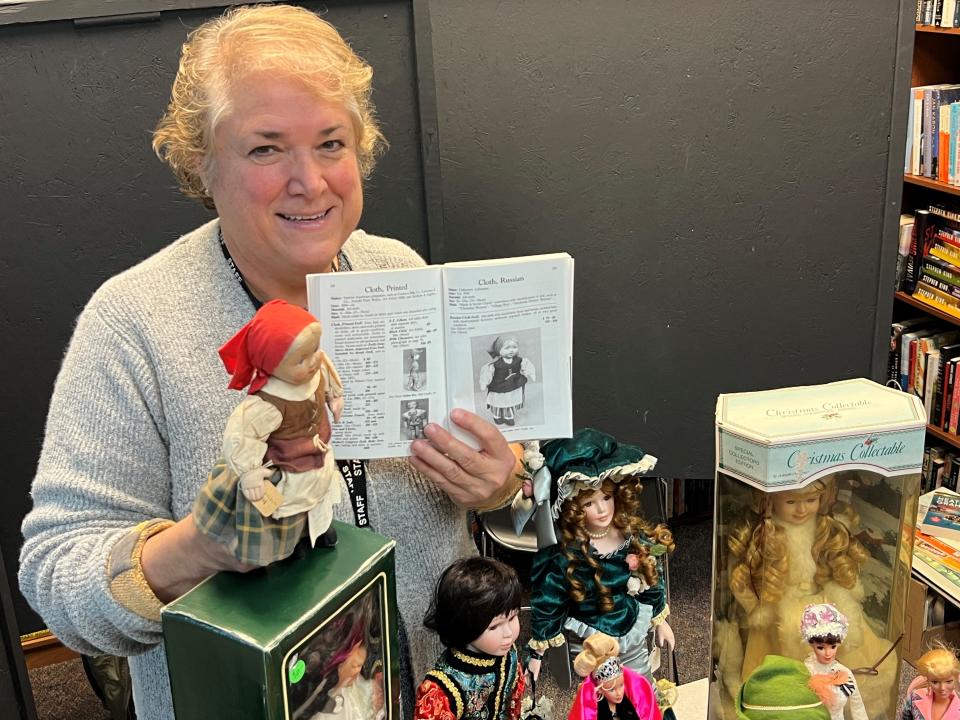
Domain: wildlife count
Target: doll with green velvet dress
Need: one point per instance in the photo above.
(604, 573)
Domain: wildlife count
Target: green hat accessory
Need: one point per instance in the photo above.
(778, 690)
(584, 461)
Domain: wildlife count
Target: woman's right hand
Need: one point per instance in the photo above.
(177, 559)
(533, 667)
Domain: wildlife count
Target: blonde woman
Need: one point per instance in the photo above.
(270, 123)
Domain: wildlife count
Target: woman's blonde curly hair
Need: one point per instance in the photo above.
(759, 553)
(573, 533)
(280, 41)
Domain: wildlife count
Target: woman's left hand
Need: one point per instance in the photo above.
(471, 478)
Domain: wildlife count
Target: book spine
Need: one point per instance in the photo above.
(938, 272)
(936, 414)
(954, 412)
(921, 221)
(946, 395)
(919, 16)
(938, 12)
(934, 297)
(947, 288)
(931, 365)
(944, 213)
(915, 144)
(943, 146)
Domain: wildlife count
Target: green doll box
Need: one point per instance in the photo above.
(816, 494)
(311, 637)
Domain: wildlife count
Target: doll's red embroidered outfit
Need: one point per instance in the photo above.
(469, 685)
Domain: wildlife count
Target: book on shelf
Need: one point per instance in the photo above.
(938, 299)
(904, 259)
(494, 337)
(897, 331)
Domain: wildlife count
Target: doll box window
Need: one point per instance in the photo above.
(815, 502)
(310, 637)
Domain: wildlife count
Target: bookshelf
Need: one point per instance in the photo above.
(936, 59)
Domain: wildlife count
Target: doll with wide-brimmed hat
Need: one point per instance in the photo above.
(604, 573)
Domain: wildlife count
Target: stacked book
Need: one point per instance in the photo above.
(931, 268)
(936, 548)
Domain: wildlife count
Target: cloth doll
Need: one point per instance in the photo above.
(824, 628)
(414, 420)
(414, 377)
(475, 611)
(778, 689)
(793, 549)
(603, 574)
(932, 695)
(278, 435)
(504, 380)
(610, 691)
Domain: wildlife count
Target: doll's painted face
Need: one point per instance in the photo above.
(302, 360)
(500, 635)
(825, 652)
(349, 670)
(598, 509)
(509, 349)
(412, 405)
(613, 690)
(795, 508)
(942, 689)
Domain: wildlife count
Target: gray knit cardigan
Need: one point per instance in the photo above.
(135, 423)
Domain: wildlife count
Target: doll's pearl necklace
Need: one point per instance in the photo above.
(602, 534)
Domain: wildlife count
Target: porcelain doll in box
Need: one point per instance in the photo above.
(793, 549)
(278, 479)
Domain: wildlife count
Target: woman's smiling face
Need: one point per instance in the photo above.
(284, 176)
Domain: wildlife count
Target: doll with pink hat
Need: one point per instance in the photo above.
(277, 480)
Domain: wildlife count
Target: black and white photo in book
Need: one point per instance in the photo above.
(414, 416)
(414, 368)
(505, 365)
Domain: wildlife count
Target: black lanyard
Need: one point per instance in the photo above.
(354, 472)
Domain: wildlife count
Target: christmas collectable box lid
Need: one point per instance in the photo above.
(783, 439)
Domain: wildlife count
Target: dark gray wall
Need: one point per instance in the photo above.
(717, 169)
(82, 196)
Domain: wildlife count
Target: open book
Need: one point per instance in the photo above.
(494, 337)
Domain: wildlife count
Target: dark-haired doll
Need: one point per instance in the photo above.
(604, 573)
(478, 676)
(504, 379)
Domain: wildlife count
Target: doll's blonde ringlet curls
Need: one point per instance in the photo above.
(759, 552)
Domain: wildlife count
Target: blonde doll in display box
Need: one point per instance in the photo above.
(793, 549)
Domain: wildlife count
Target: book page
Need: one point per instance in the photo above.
(384, 333)
(509, 344)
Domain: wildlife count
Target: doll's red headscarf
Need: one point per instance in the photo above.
(254, 352)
